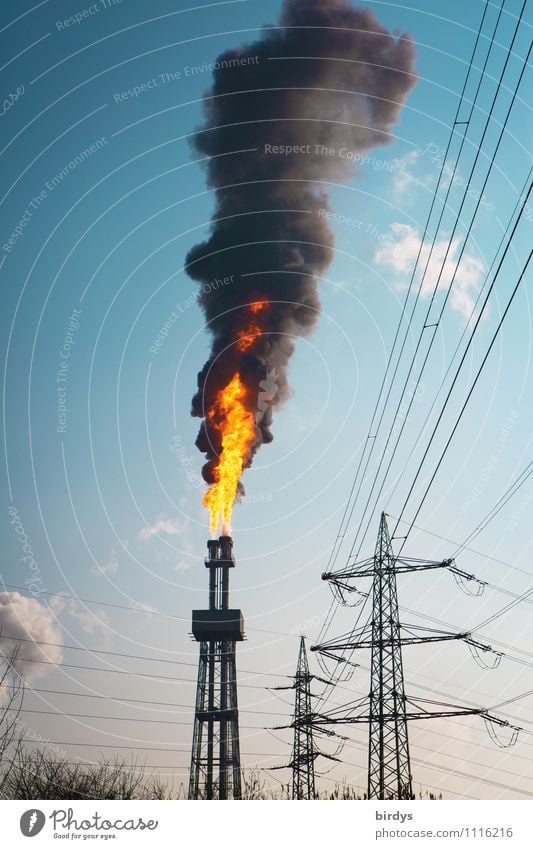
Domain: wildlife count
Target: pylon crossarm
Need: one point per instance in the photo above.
(409, 715)
(339, 643)
(415, 709)
(328, 652)
(366, 569)
(409, 640)
(307, 721)
(399, 566)
(326, 681)
(322, 731)
(419, 703)
(425, 634)
(413, 564)
(342, 584)
(350, 571)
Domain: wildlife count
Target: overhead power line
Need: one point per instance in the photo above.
(370, 438)
(436, 324)
(463, 408)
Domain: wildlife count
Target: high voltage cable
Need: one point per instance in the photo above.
(114, 718)
(161, 749)
(249, 710)
(463, 408)
(524, 475)
(132, 748)
(124, 607)
(153, 675)
(252, 754)
(495, 335)
(420, 288)
(463, 334)
(343, 528)
(121, 699)
(466, 548)
(447, 293)
(444, 206)
(322, 697)
(119, 654)
(473, 631)
(518, 597)
(525, 596)
(461, 546)
(436, 325)
(463, 358)
(461, 773)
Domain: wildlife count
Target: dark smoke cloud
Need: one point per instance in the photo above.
(328, 75)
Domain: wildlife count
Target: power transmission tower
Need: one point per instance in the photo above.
(304, 750)
(389, 709)
(215, 761)
(389, 767)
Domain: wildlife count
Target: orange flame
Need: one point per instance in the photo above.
(258, 306)
(246, 336)
(237, 426)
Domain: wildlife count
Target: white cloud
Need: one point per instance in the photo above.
(163, 526)
(407, 174)
(400, 253)
(90, 621)
(145, 606)
(26, 619)
(108, 568)
(182, 566)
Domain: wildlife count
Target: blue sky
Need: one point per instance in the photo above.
(102, 200)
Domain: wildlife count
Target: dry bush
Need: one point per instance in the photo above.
(34, 774)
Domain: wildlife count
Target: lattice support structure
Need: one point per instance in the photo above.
(389, 768)
(388, 709)
(215, 760)
(304, 752)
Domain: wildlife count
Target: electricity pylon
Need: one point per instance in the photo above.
(304, 750)
(389, 709)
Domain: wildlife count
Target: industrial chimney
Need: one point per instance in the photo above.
(215, 760)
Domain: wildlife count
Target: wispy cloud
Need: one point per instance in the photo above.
(108, 568)
(162, 525)
(91, 621)
(408, 174)
(400, 253)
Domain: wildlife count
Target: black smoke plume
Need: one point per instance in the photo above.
(328, 82)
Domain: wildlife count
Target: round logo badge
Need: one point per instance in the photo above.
(32, 822)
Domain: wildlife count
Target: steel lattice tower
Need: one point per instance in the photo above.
(389, 709)
(304, 749)
(389, 768)
(304, 753)
(215, 760)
